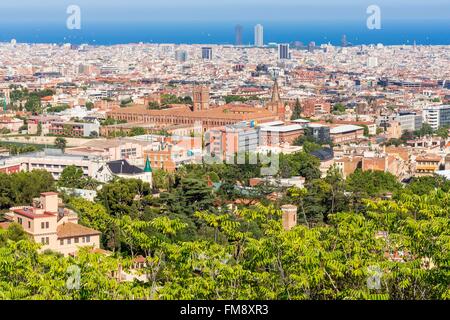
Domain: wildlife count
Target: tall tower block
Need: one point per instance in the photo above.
(201, 98)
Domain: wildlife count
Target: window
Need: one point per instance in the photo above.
(42, 225)
(61, 242)
(29, 225)
(88, 239)
(69, 241)
(83, 240)
(47, 240)
(77, 240)
(43, 240)
(47, 224)
(19, 220)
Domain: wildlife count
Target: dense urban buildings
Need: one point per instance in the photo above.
(273, 170)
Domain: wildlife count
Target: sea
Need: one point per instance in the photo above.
(392, 32)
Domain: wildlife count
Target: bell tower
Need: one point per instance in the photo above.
(276, 105)
(201, 98)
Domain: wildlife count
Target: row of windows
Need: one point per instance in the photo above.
(55, 166)
(86, 239)
(128, 152)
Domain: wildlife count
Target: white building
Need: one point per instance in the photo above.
(259, 35)
(437, 116)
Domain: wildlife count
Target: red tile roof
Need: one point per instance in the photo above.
(32, 215)
(70, 230)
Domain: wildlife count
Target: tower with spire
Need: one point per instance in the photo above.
(148, 172)
(276, 105)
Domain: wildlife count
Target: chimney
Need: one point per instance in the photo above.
(289, 217)
(49, 201)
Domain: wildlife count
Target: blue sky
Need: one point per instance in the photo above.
(213, 21)
(48, 11)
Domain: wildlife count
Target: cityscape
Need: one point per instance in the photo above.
(252, 170)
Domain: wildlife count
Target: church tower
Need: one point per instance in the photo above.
(201, 98)
(276, 105)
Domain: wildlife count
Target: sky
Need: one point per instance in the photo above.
(48, 11)
(213, 21)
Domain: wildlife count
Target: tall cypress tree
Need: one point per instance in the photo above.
(297, 110)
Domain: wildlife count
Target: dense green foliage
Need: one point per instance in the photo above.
(297, 111)
(20, 188)
(32, 98)
(16, 148)
(73, 177)
(332, 261)
(350, 234)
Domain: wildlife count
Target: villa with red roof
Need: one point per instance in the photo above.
(49, 223)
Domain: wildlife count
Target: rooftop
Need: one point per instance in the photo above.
(123, 167)
(70, 230)
(345, 128)
(292, 127)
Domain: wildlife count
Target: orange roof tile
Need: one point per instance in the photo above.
(70, 230)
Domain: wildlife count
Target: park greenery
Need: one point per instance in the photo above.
(167, 100)
(19, 148)
(239, 99)
(211, 235)
(24, 99)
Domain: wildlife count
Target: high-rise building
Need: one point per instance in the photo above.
(344, 42)
(437, 116)
(207, 53)
(201, 98)
(238, 34)
(283, 51)
(181, 55)
(259, 35)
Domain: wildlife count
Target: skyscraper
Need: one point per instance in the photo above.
(207, 53)
(238, 34)
(259, 35)
(344, 41)
(283, 51)
(181, 55)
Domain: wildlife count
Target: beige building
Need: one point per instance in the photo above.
(52, 225)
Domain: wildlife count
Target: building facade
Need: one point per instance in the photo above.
(52, 225)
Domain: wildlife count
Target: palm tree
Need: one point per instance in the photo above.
(61, 143)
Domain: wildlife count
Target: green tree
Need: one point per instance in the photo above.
(425, 130)
(442, 132)
(137, 131)
(71, 177)
(296, 113)
(61, 143)
(339, 107)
